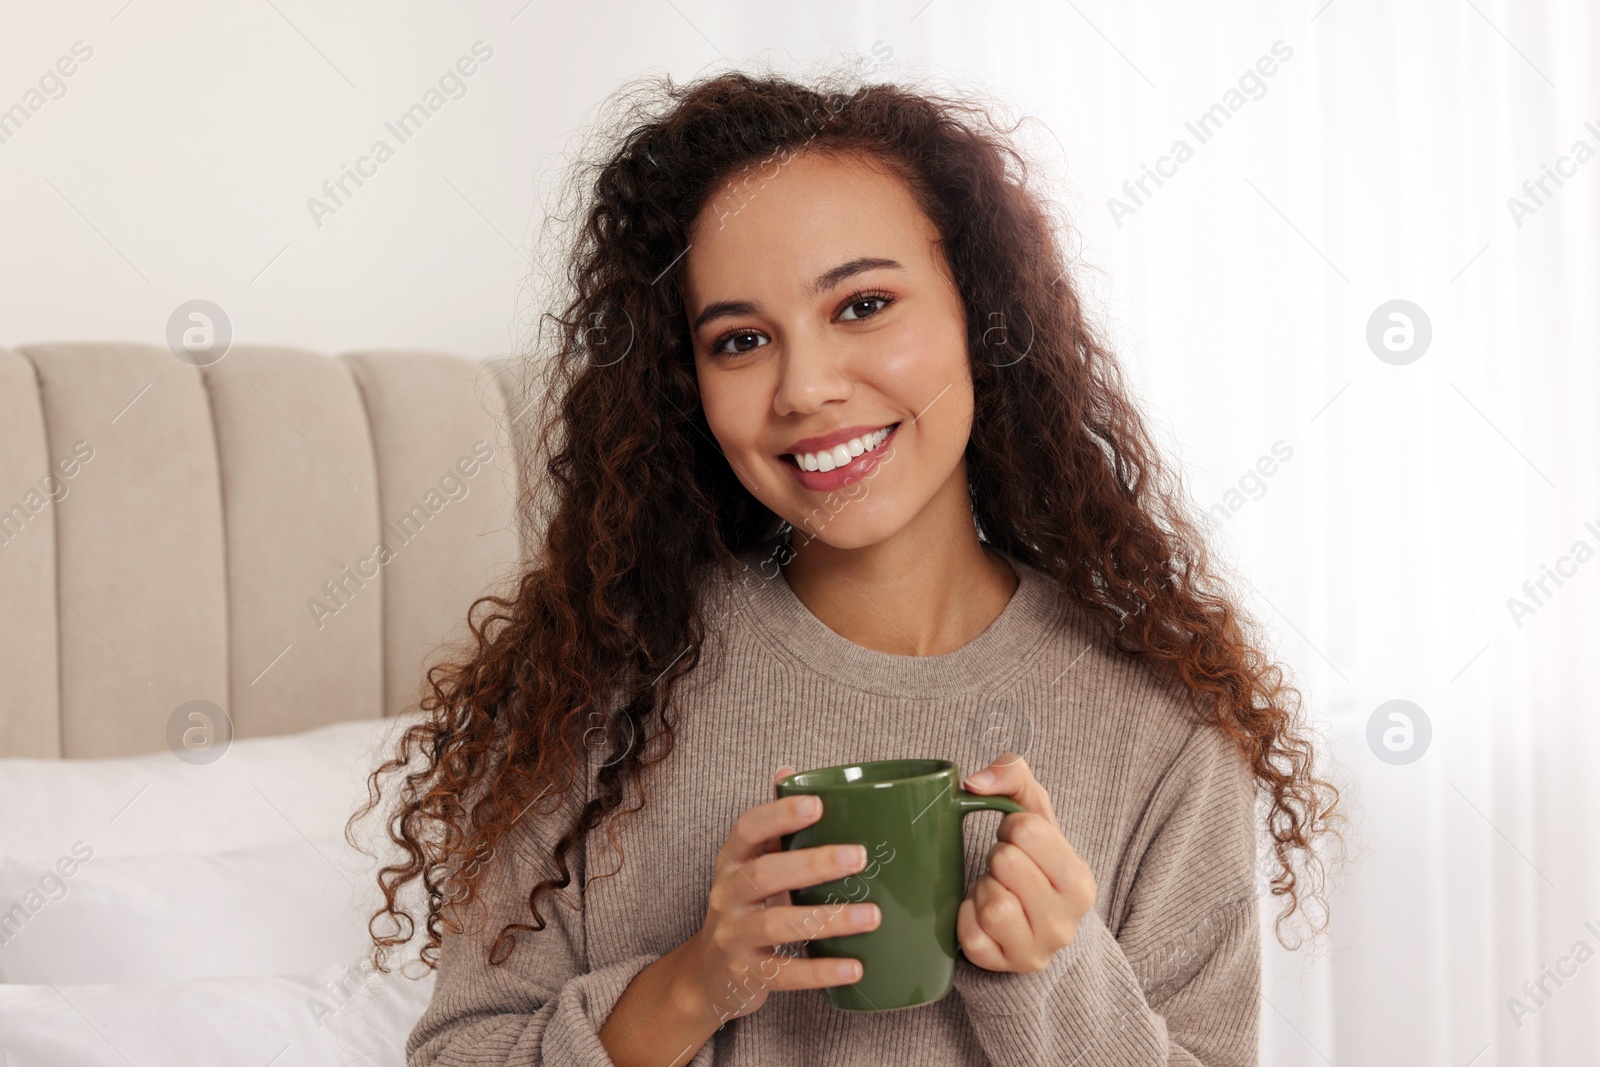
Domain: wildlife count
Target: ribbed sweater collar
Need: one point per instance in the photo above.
(986, 663)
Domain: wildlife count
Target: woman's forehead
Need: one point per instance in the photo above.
(782, 233)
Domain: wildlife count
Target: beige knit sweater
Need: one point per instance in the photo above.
(1165, 969)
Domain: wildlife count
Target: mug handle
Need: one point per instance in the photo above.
(965, 803)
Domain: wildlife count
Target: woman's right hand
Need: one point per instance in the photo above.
(730, 961)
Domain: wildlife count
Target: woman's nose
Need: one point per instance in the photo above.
(812, 373)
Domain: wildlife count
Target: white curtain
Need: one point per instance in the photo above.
(1384, 508)
(1382, 159)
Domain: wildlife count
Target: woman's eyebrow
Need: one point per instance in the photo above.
(825, 281)
(830, 278)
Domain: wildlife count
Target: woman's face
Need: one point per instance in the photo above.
(823, 313)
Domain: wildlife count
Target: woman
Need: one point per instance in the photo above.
(836, 471)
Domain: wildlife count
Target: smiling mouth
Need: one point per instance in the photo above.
(843, 454)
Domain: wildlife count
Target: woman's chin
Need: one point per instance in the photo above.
(847, 531)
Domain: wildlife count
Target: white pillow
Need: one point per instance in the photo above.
(149, 868)
(304, 1019)
(276, 909)
(262, 791)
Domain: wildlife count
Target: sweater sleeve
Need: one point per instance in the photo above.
(542, 1004)
(1179, 982)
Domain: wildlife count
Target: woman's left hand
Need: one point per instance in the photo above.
(1029, 902)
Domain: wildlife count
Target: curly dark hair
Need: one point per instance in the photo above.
(628, 503)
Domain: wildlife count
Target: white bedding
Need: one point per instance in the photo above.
(157, 912)
(255, 1020)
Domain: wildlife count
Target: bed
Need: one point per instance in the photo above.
(223, 585)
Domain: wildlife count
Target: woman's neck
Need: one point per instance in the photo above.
(929, 589)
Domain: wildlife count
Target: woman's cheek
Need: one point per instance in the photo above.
(921, 368)
(732, 413)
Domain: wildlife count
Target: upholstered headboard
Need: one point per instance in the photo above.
(171, 533)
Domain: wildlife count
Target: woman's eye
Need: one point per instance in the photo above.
(866, 300)
(721, 347)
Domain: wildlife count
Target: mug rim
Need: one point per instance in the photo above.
(944, 767)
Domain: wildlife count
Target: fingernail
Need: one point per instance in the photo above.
(983, 779)
(848, 969)
(811, 806)
(863, 914)
(852, 856)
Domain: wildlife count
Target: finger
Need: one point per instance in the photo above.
(778, 872)
(1010, 776)
(770, 927)
(775, 844)
(803, 972)
(1041, 902)
(1002, 917)
(753, 829)
(978, 946)
(1047, 847)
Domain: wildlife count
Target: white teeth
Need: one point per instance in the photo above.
(840, 455)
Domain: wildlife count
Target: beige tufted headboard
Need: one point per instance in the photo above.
(171, 533)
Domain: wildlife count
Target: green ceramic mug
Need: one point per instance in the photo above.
(908, 814)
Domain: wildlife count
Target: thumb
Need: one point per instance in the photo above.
(782, 772)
